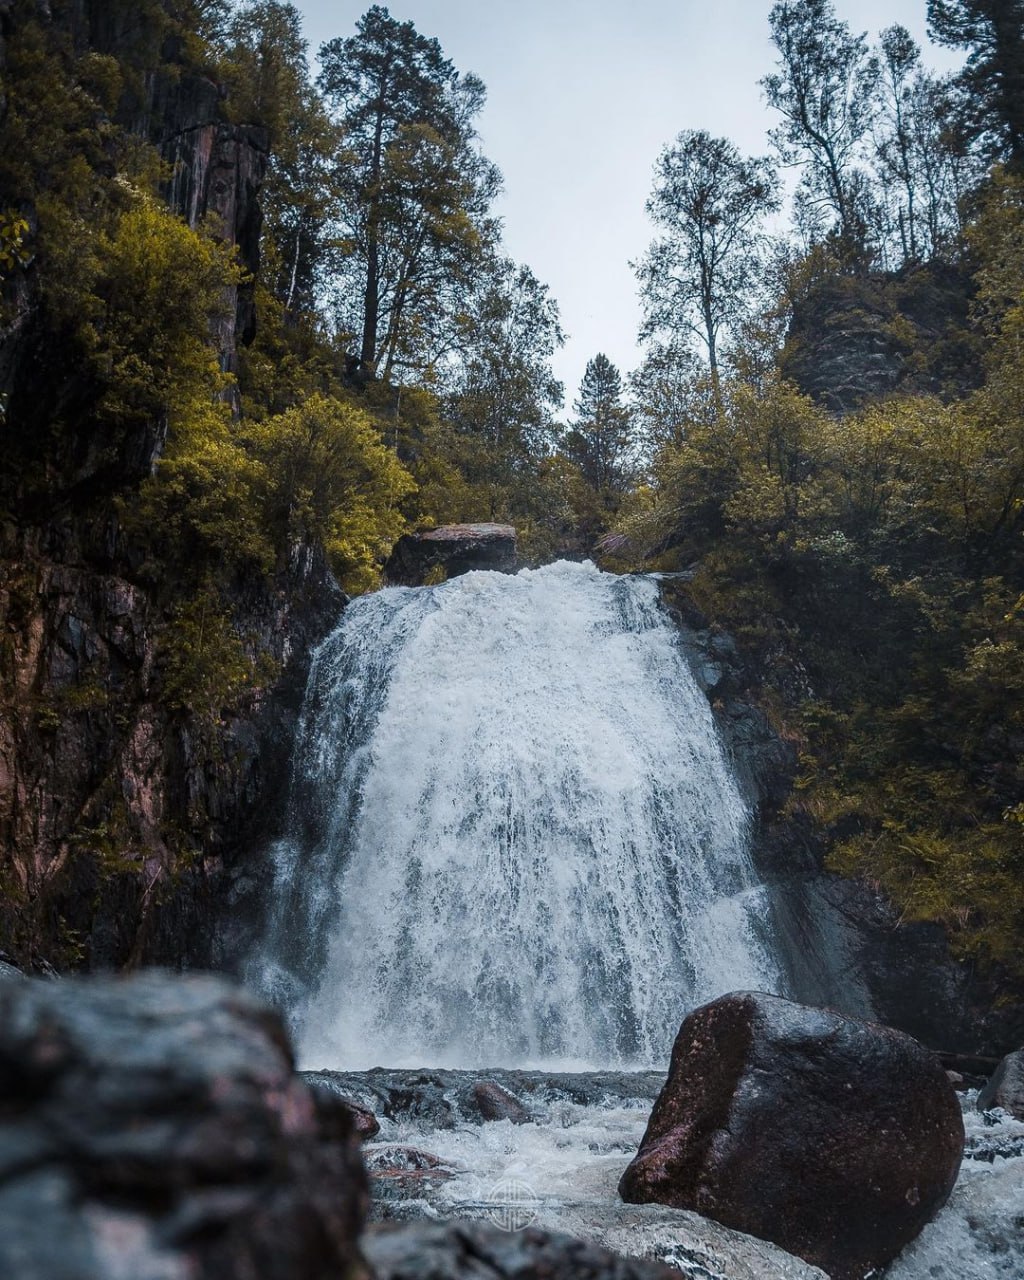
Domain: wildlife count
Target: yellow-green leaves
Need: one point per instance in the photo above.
(160, 289)
(328, 474)
(14, 250)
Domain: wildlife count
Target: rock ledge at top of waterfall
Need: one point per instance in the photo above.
(837, 1140)
(453, 549)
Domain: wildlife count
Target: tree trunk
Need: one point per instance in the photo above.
(371, 292)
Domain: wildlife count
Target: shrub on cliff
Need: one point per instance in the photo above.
(328, 474)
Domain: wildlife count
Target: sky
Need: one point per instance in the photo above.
(582, 96)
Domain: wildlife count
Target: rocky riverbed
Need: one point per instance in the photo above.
(436, 1158)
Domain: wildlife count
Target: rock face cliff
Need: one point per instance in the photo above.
(120, 815)
(842, 943)
(856, 338)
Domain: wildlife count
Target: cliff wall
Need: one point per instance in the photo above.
(120, 813)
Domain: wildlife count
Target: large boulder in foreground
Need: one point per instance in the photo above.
(449, 551)
(1006, 1087)
(153, 1128)
(837, 1140)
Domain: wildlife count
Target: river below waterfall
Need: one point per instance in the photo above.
(436, 1158)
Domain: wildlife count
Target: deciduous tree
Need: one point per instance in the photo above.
(824, 89)
(709, 203)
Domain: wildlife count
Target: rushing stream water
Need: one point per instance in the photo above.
(560, 1166)
(516, 839)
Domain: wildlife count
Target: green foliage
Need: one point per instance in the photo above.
(201, 511)
(206, 668)
(414, 211)
(153, 356)
(991, 85)
(882, 553)
(14, 252)
(330, 477)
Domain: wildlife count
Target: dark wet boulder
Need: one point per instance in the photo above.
(452, 550)
(837, 1140)
(495, 1103)
(153, 1127)
(1006, 1087)
(327, 1097)
(479, 1251)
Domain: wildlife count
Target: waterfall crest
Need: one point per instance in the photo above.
(516, 838)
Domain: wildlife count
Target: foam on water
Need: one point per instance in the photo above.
(517, 839)
(979, 1235)
(570, 1158)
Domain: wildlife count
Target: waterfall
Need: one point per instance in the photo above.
(516, 838)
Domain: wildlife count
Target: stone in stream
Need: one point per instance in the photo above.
(365, 1124)
(452, 550)
(1006, 1087)
(152, 1128)
(401, 1174)
(496, 1103)
(837, 1140)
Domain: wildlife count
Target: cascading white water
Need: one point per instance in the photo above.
(516, 836)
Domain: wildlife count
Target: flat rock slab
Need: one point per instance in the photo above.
(476, 1251)
(449, 551)
(694, 1245)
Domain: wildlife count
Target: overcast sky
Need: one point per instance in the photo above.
(582, 96)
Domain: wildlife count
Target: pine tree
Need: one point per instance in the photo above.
(415, 208)
(599, 442)
(992, 83)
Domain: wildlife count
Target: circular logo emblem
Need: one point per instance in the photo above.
(511, 1204)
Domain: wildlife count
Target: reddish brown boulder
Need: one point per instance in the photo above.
(495, 1103)
(450, 551)
(363, 1122)
(837, 1140)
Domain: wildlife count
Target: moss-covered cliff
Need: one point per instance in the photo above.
(148, 691)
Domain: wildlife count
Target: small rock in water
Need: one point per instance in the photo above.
(364, 1123)
(394, 1158)
(836, 1139)
(1006, 1088)
(495, 1103)
(403, 1173)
